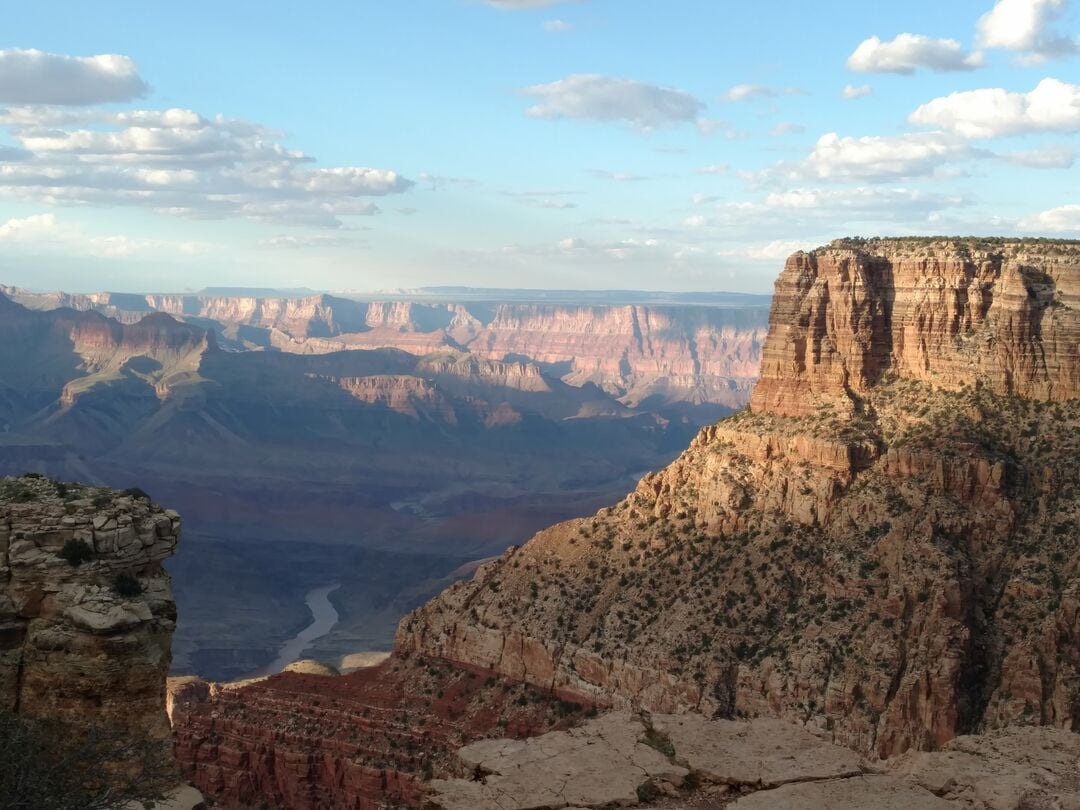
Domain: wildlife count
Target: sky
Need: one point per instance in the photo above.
(592, 144)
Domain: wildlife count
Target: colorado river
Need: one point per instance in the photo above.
(323, 619)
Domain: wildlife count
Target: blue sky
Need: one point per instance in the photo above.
(592, 144)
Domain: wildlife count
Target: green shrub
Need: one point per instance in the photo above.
(76, 552)
(127, 586)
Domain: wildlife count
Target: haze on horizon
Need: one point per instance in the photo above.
(596, 144)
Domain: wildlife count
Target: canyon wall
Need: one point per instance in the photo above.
(86, 610)
(1001, 315)
(885, 547)
(657, 353)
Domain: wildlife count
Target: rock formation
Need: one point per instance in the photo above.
(884, 547)
(660, 353)
(352, 742)
(89, 640)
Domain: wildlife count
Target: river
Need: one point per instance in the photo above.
(323, 619)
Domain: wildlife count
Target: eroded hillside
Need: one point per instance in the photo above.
(884, 547)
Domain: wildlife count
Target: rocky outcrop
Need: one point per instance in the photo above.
(629, 760)
(357, 742)
(884, 548)
(952, 313)
(86, 610)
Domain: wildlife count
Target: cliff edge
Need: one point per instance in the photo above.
(86, 610)
(883, 548)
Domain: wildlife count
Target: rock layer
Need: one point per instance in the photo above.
(884, 548)
(1003, 314)
(88, 644)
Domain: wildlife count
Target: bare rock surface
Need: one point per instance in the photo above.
(869, 792)
(688, 761)
(1011, 769)
(86, 609)
(761, 752)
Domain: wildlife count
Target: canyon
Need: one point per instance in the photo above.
(394, 441)
(882, 550)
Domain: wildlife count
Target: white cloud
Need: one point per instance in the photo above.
(28, 229)
(180, 163)
(36, 77)
(44, 233)
(1026, 26)
(771, 251)
(557, 26)
(742, 92)
(1059, 156)
(288, 241)
(907, 52)
(787, 128)
(618, 177)
(876, 158)
(992, 112)
(862, 201)
(1062, 218)
(851, 91)
(695, 221)
(716, 168)
(590, 97)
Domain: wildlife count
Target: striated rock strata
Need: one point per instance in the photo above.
(883, 548)
(353, 742)
(86, 643)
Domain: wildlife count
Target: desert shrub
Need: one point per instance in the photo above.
(127, 586)
(76, 552)
(47, 764)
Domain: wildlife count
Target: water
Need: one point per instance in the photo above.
(323, 619)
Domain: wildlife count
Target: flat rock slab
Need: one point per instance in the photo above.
(600, 764)
(1010, 769)
(869, 792)
(761, 753)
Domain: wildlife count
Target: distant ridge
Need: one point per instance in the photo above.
(598, 297)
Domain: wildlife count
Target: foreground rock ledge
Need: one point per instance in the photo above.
(625, 760)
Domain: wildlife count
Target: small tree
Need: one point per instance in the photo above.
(46, 764)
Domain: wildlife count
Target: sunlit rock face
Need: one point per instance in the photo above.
(86, 643)
(884, 547)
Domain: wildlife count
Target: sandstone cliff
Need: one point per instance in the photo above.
(86, 610)
(885, 547)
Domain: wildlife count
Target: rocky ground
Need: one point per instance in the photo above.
(688, 761)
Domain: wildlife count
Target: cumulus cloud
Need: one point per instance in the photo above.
(30, 228)
(557, 26)
(35, 77)
(908, 52)
(992, 112)
(1026, 26)
(742, 92)
(45, 233)
(591, 97)
(1059, 156)
(862, 201)
(874, 158)
(1060, 219)
(771, 251)
(180, 163)
(852, 91)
